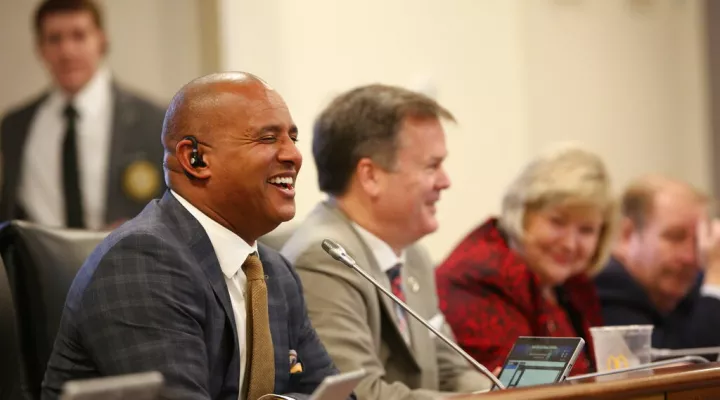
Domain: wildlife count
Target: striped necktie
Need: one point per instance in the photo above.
(396, 286)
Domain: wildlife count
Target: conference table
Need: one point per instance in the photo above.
(685, 382)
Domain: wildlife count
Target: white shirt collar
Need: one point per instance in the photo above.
(91, 98)
(231, 250)
(384, 254)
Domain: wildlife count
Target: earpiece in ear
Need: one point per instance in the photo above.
(195, 157)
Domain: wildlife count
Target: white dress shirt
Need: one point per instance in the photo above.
(710, 291)
(41, 191)
(387, 259)
(231, 252)
(383, 253)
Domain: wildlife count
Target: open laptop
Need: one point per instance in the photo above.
(539, 360)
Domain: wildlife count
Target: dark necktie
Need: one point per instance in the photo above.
(261, 352)
(396, 285)
(71, 172)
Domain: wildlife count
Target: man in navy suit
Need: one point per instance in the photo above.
(665, 269)
(180, 289)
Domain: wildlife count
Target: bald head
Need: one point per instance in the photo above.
(201, 105)
(641, 195)
(211, 109)
(230, 151)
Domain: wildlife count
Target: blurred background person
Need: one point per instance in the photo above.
(526, 273)
(655, 275)
(85, 153)
(379, 151)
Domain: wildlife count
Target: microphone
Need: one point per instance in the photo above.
(338, 252)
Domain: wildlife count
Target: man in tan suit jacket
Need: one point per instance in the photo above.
(379, 153)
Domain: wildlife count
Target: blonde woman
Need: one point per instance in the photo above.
(528, 271)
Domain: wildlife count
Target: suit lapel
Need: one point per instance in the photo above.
(14, 140)
(372, 267)
(124, 119)
(413, 289)
(200, 245)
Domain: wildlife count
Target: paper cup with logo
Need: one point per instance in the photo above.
(619, 347)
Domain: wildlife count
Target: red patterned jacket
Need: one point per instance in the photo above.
(490, 297)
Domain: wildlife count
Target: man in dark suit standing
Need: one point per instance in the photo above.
(167, 290)
(83, 154)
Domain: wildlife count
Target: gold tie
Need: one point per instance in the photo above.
(261, 360)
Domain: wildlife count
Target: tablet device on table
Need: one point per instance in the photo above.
(338, 386)
(141, 386)
(539, 360)
(335, 387)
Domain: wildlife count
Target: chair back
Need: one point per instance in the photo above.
(11, 366)
(41, 263)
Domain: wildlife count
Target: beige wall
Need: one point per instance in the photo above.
(20, 72)
(156, 46)
(472, 55)
(626, 77)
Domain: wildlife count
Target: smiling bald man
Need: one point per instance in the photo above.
(166, 291)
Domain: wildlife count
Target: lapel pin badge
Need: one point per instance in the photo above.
(141, 180)
(414, 285)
